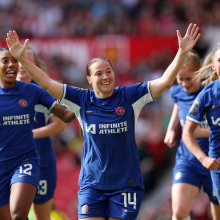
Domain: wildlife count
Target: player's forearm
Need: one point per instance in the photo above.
(159, 85)
(39, 76)
(202, 132)
(62, 113)
(174, 119)
(171, 72)
(48, 130)
(193, 146)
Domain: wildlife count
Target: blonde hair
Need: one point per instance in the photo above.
(192, 61)
(206, 73)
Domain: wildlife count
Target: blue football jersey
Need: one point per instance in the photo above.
(207, 104)
(44, 145)
(184, 101)
(110, 158)
(17, 111)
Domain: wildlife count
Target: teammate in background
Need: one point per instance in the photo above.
(111, 183)
(45, 125)
(19, 160)
(206, 105)
(189, 176)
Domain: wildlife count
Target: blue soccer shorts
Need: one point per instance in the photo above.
(26, 170)
(187, 174)
(215, 175)
(47, 184)
(124, 204)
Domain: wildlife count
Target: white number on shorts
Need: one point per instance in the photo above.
(127, 199)
(42, 188)
(26, 170)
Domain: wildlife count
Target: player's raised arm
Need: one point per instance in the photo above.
(18, 52)
(185, 45)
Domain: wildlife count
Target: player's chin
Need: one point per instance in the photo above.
(188, 90)
(107, 88)
(11, 79)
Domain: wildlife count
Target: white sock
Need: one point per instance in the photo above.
(187, 218)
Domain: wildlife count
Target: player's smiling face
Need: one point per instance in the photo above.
(216, 62)
(8, 69)
(188, 81)
(102, 78)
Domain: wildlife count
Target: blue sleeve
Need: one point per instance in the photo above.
(198, 109)
(45, 98)
(74, 94)
(136, 91)
(173, 92)
(73, 98)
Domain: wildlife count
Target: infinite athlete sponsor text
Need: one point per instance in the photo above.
(16, 119)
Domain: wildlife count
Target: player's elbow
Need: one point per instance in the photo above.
(166, 81)
(168, 84)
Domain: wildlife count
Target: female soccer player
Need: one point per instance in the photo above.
(206, 105)
(188, 174)
(110, 178)
(45, 125)
(19, 160)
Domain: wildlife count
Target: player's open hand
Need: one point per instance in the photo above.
(16, 49)
(192, 35)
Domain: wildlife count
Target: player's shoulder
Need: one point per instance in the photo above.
(133, 88)
(210, 89)
(29, 88)
(76, 88)
(176, 90)
(21, 84)
(212, 86)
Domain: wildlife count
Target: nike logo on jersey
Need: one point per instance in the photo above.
(128, 210)
(215, 106)
(89, 111)
(22, 175)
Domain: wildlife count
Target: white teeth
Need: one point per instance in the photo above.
(106, 83)
(11, 74)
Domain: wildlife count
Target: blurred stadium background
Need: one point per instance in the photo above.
(139, 37)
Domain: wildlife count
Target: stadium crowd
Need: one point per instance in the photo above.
(88, 17)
